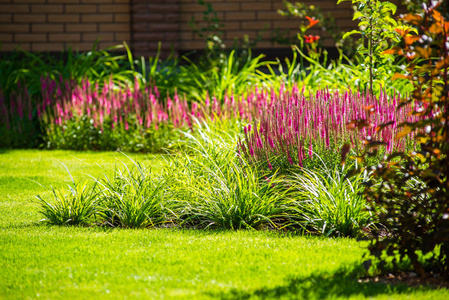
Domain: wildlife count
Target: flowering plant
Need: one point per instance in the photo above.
(310, 42)
(310, 39)
(312, 21)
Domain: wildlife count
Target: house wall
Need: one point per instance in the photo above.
(255, 18)
(56, 25)
(155, 21)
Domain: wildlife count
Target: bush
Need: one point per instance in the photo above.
(408, 192)
(19, 126)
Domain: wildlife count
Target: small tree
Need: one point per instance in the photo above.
(376, 26)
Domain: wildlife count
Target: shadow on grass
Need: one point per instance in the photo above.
(342, 284)
(4, 150)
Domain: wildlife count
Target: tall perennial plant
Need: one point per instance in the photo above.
(293, 128)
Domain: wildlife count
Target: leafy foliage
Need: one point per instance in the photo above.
(211, 31)
(326, 22)
(95, 65)
(377, 26)
(329, 203)
(133, 198)
(214, 188)
(230, 75)
(19, 126)
(76, 205)
(409, 192)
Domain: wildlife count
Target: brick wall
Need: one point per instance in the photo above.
(257, 18)
(154, 21)
(55, 25)
(254, 18)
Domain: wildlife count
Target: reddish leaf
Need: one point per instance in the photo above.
(423, 52)
(344, 152)
(393, 51)
(404, 132)
(413, 19)
(399, 76)
(382, 126)
(410, 39)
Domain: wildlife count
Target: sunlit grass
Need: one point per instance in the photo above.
(101, 262)
(27, 173)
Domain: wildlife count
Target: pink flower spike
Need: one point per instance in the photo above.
(251, 150)
(269, 163)
(310, 150)
(290, 161)
(259, 142)
(300, 155)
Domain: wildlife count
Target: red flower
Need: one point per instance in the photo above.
(312, 21)
(311, 38)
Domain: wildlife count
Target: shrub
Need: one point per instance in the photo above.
(19, 127)
(378, 28)
(408, 192)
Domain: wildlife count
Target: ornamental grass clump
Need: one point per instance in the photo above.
(76, 205)
(329, 203)
(294, 128)
(214, 188)
(133, 198)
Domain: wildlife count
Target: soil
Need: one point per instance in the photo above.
(410, 279)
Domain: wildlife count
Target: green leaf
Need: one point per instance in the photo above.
(357, 15)
(364, 23)
(391, 6)
(350, 33)
(393, 22)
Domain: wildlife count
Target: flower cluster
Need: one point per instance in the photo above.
(295, 126)
(310, 39)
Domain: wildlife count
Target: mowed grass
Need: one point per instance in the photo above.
(23, 172)
(39, 261)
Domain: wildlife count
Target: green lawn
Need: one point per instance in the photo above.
(67, 262)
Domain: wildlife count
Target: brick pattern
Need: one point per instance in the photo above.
(154, 21)
(57, 25)
(257, 18)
